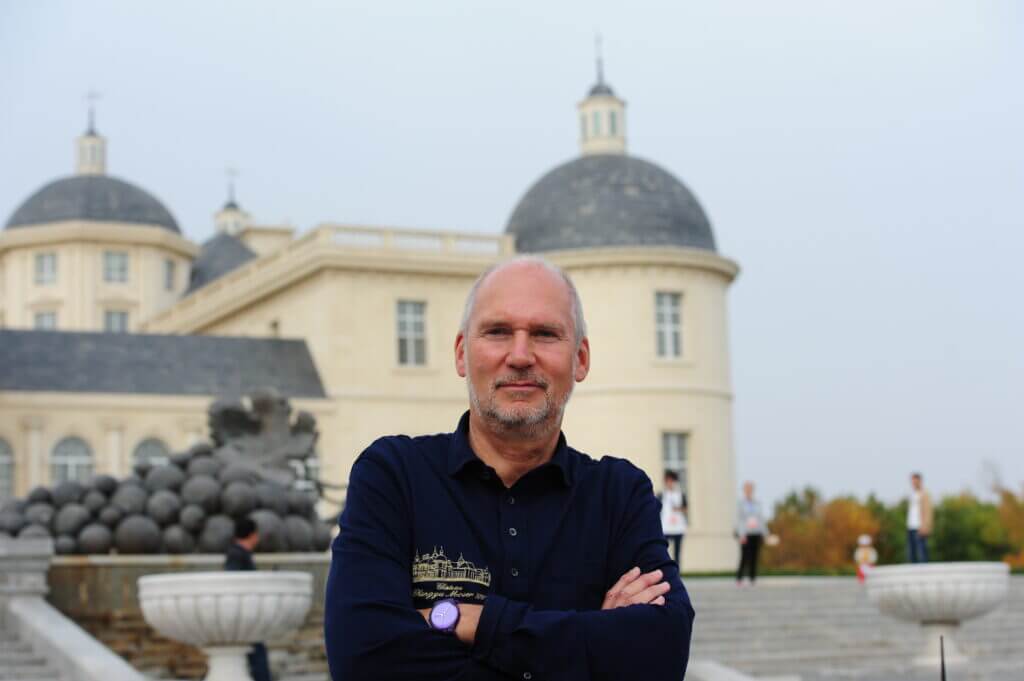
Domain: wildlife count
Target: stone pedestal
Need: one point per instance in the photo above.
(938, 596)
(223, 613)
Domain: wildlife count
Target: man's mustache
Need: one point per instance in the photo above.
(521, 378)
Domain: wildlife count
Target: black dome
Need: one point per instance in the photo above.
(608, 200)
(92, 197)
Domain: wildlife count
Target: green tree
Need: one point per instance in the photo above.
(803, 503)
(968, 529)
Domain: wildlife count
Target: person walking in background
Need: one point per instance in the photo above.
(750, 530)
(239, 557)
(673, 514)
(919, 521)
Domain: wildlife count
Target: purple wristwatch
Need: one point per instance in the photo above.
(444, 615)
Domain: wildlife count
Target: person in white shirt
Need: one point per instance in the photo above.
(673, 514)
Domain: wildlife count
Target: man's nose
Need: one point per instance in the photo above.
(521, 352)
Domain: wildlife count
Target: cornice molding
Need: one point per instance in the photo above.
(86, 231)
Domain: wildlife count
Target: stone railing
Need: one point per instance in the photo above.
(420, 241)
(76, 655)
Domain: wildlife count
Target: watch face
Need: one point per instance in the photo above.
(444, 615)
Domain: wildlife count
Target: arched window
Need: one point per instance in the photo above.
(6, 471)
(152, 451)
(71, 460)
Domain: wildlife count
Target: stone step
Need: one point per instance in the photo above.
(19, 662)
(12, 645)
(25, 658)
(30, 671)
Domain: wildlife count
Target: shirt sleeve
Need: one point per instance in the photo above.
(640, 641)
(371, 628)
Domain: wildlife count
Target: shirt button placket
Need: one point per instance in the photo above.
(513, 524)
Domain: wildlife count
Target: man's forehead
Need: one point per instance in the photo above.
(524, 289)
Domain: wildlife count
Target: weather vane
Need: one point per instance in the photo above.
(600, 60)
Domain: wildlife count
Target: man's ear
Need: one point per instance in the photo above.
(460, 354)
(582, 360)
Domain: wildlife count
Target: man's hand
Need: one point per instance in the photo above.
(635, 588)
(469, 619)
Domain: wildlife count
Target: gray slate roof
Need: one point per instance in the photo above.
(92, 197)
(218, 256)
(608, 200)
(62, 361)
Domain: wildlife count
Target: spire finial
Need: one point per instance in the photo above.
(600, 58)
(231, 174)
(92, 97)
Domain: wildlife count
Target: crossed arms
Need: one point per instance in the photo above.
(373, 630)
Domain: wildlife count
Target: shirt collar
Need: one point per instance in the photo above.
(460, 454)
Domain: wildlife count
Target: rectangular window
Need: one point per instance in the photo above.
(6, 473)
(668, 324)
(673, 457)
(596, 128)
(412, 337)
(115, 321)
(46, 321)
(169, 275)
(613, 125)
(115, 267)
(46, 268)
(583, 127)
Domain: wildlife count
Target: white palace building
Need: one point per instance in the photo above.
(116, 330)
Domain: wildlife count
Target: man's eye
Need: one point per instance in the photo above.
(496, 331)
(545, 334)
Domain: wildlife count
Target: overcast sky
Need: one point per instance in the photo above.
(863, 162)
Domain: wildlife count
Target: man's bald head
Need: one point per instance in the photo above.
(576, 307)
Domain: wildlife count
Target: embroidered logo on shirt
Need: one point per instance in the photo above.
(437, 567)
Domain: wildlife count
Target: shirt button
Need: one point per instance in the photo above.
(527, 676)
(512, 531)
(515, 572)
(511, 500)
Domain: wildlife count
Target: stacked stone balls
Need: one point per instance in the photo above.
(189, 504)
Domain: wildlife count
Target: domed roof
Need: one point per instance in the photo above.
(92, 197)
(608, 200)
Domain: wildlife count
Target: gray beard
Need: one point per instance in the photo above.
(524, 423)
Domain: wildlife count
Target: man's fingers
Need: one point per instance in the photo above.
(617, 588)
(650, 593)
(641, 583)
(660, 600)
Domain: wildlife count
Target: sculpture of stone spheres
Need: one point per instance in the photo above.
(260, 464)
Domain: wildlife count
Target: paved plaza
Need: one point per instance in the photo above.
(825, 629)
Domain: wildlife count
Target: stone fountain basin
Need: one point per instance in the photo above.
(225, 608)
(938, 592)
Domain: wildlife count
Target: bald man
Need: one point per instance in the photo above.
(497, 551)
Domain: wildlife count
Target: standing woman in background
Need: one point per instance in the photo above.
(750, 530)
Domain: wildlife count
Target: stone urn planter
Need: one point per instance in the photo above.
(223, 613)
(938, 596)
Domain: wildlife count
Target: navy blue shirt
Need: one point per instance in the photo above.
(426, 519)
